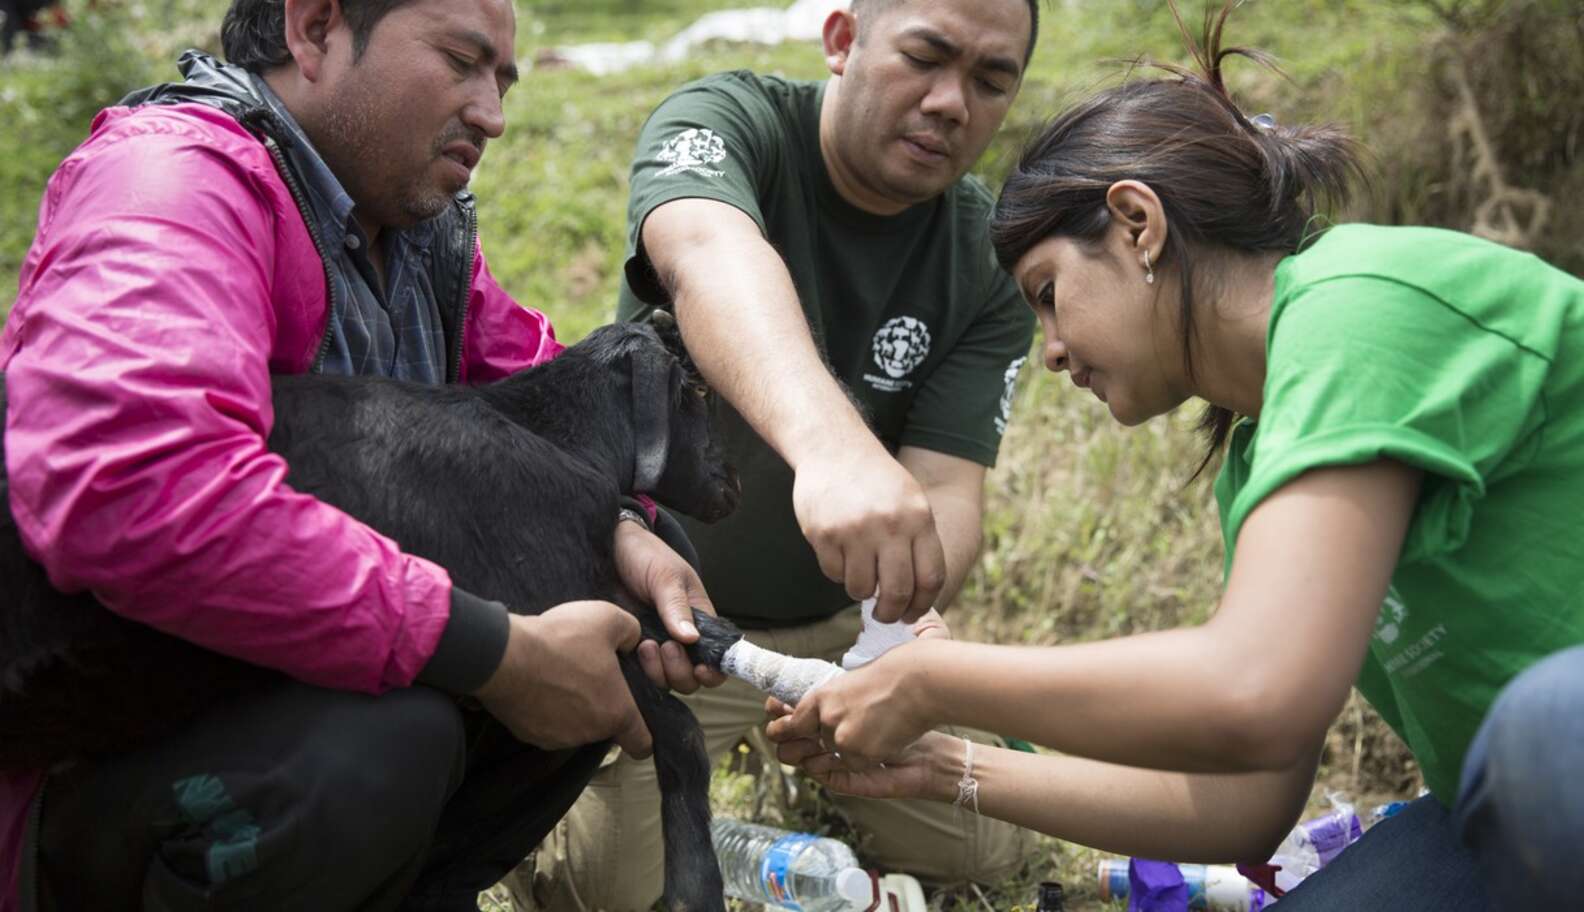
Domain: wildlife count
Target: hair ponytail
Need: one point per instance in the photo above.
(1309, 171)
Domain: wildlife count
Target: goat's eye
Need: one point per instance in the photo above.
(700, 390)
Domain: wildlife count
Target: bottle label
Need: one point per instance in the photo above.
(775, 872)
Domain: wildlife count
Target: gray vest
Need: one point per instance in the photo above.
(449, 269)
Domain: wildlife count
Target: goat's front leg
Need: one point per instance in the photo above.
(692, 875)
(716, 635)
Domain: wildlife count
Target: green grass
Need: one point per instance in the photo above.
(1090, 529)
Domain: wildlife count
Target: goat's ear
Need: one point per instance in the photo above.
(662, 320)
(651, 392)
(665, 326)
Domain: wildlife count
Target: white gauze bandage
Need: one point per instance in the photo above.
(788, 679)
(781, 676)
(875, 639)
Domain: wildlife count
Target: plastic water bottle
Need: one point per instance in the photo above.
(798, 871)
(1389, 809)
(1392, 808)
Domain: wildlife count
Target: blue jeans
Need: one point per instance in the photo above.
(1512, 841)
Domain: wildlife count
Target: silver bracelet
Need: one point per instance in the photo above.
(967, 786)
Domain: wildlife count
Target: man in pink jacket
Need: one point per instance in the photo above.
(302, 209)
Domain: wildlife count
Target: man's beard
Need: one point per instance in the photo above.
(383, 194)
(866, 152)
(869, 167)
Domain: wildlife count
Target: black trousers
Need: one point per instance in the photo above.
(303, 798)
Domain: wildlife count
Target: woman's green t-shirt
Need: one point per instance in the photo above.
(1465, 359)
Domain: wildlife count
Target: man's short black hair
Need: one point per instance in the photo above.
(876, 7)
(253, 33)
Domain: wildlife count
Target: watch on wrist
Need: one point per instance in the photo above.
(627, 514)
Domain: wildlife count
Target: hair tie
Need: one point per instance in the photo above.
(1266, 122)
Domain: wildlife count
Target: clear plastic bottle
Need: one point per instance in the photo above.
(786, 870)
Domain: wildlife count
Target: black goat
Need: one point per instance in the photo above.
(473, 478)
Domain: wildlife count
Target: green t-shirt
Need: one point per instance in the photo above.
(911, 312)
(1465, 359)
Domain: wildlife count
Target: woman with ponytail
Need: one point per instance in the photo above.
(1399, 418)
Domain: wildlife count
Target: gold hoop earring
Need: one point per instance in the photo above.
(1149, 274)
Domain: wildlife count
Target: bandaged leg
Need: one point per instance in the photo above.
(788, 679)
(782, 676)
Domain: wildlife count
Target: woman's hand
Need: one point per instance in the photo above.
(931, 626)
(659, 576)
(870, 714)
(923, 769)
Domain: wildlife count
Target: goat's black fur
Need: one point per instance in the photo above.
(513, 487)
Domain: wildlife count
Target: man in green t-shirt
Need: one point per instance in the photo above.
(827, 259)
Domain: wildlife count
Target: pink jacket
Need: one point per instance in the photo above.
(172, 274)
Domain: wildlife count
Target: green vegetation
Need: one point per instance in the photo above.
(1091, 530)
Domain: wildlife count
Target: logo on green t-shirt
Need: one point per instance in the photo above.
(900, 346)
(1388, 627)
(691, 150)
(1408, 658)
(1009, 381)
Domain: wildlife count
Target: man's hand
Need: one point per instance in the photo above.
(559, 685)
(870, 524)
(658, 576)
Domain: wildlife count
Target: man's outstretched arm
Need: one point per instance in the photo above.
(867, 518)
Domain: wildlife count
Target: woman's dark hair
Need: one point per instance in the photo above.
(253, 33)
(1224, 181)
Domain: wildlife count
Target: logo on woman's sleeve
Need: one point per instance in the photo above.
(691, 150)
(900, 346)
(1010, 380)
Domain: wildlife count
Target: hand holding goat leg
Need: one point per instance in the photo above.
(559, 684)
(656, 575)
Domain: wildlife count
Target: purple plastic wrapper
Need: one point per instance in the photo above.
(1333, 833)
(1156, 886)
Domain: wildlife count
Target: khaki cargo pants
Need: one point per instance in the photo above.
(607, 854)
